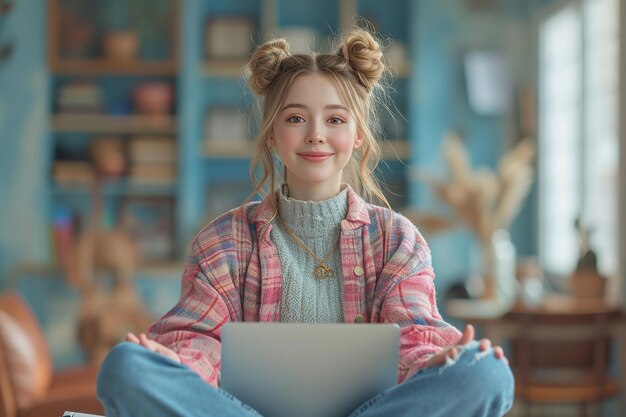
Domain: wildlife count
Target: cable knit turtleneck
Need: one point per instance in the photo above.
(317, 224)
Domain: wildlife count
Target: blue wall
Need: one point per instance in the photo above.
(443, 32)
(23, 138)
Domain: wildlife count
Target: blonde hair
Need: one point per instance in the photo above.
(356, 69)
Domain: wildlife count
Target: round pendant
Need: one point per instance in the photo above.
(322, 272)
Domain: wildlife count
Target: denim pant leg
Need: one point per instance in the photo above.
(135, 382)
(477, 385)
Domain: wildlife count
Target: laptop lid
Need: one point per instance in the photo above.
(308, 370)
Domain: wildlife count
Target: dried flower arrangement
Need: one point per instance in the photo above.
(481, 199)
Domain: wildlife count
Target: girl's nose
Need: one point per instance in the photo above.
(315, 139)
(315, 135)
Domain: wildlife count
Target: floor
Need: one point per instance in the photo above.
(610, 410)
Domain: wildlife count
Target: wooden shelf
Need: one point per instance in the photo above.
(101, 123)
(124, 187)
(112, 67)
(104, 66)
(238, 149)
(230, 69)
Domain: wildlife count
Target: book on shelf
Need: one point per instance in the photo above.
(223, 124)
(80, 97)
(152, 173)
(152, 149)
(73, 172)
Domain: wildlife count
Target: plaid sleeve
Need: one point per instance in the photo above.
(410, 300)
(192, 327)
(209, 298)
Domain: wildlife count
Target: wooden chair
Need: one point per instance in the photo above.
(562, 358)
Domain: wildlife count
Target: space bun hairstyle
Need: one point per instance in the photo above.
(364, 56)
(361, 51)
(264, 65)
(356, 68)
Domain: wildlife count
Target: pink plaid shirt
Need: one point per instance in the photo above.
(233, 273)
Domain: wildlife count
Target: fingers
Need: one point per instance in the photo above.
(468, 335)
(484, 344)
(436, 359)
(439, 358)
(497, 350)
(141, 340)
(150, 344)
(452, 352)
(130, 337)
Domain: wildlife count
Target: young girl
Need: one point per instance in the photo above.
(313, 250)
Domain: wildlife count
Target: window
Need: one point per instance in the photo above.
(578, 133)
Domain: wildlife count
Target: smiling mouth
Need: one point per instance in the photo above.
(315, 156)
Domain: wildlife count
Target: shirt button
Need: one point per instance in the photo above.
(359, 319)
(358, 271)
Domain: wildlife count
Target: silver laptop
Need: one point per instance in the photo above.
(308, 370)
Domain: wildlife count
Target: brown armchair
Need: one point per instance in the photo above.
(29, 387)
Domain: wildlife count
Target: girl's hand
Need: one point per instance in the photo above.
(439, 358)
(152, 345)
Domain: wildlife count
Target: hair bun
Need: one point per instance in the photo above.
(364, 55)
(264, 64)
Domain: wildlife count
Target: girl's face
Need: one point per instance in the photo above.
(314, 135)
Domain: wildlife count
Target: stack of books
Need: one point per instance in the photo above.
(80, 97)
(73, 173)
(153, 159)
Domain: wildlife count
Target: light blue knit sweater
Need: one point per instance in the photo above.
(317, 224)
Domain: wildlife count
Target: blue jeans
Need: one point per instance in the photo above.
(135, 382)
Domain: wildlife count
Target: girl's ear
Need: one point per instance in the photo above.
(359, 141)
(271, 143)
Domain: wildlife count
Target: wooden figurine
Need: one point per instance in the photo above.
(109, 303)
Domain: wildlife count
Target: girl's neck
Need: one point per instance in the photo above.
(312, 218)
(310, 192)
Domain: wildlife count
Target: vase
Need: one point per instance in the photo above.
(498, 268)
(121, 45)
(109, 157)
(587, 283)
(153, 98)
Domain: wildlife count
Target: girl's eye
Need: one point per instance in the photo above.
(335, 120)
(295, 119)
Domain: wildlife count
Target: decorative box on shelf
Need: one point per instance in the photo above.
(229, 38)
(226, 133)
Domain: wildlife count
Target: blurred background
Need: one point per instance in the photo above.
(125, 126)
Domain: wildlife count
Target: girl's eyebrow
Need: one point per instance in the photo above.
(302, 106)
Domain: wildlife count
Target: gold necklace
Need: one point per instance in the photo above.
(322, 270)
